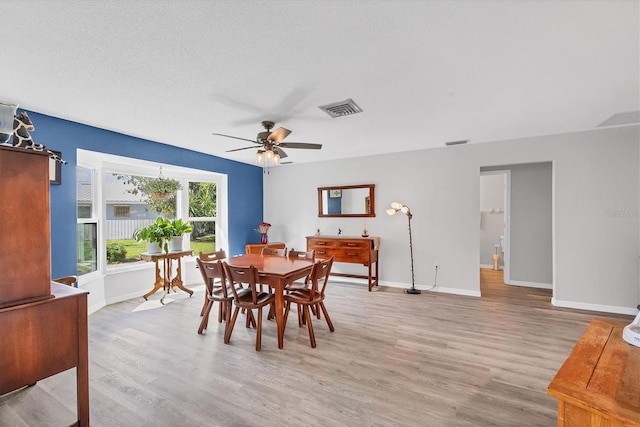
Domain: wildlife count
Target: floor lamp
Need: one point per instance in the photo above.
(399, 207)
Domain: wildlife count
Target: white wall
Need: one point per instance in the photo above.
(596, 175)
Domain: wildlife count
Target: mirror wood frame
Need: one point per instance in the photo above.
(372, 204)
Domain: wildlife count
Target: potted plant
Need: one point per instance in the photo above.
(160, 193)
(159, 233)
(178, 229)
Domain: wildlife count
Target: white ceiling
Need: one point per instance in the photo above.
(424, 72)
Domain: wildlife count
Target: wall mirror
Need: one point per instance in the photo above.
(347, 201)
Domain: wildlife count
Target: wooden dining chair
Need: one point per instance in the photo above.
(67, 280)
(274, 251)
(212, 272)
(304, 284)
(314, 296)
(212, 256)
(269, 251)
(254, 299)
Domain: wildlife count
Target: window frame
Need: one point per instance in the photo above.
(101, 163)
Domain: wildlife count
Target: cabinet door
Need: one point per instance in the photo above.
(24, 226)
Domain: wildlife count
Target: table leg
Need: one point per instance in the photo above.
(159, 283)
(177, 281)
(279, 293)
(166, 282)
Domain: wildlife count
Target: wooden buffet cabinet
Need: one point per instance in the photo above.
(353, 250)
(599, 383)
(43, 325)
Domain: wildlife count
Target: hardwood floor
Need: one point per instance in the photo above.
(394, 360)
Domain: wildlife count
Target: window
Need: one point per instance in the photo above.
(111, 208)
(87, 228)
(202, 216)
(121, 211)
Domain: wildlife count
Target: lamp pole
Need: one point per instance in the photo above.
(412, 289)
(399, 207)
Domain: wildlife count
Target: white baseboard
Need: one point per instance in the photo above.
(428, 288)
(530, 284)
(95, 307)
(595, 307)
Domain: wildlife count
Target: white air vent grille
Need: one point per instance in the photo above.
(462, 141)
(628, 118)
(341, 109)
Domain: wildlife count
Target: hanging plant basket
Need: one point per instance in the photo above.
(161, 196)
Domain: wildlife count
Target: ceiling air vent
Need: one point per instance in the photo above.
(462, 141)
(628, 118)
(341, 109)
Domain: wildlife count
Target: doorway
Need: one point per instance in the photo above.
(526, 252)
(495, 211)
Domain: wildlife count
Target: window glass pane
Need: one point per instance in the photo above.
(87, 248)
(84, 192)
(203, 236)
(128, 209)
(202, 199)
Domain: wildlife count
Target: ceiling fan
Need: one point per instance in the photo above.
(271, 150)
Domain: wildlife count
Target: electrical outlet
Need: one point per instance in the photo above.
(436, 264)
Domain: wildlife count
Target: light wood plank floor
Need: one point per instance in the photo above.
(393, 360)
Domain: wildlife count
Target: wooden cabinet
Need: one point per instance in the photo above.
(24, 226)
(599, 383)
(353, 250)
(256, 249)
(43, 325)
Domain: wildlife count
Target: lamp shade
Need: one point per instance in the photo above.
(391, 211)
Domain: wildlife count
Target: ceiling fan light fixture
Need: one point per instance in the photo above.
(267, 158)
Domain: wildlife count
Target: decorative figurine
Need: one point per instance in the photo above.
(22, 139)
(264, 229)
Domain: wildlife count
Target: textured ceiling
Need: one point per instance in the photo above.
(424, 72)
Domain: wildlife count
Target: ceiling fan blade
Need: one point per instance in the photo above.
(238, 149)
(278, 135)
(280, 151)
(306, 145)
(235, 137)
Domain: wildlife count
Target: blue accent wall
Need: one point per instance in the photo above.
(244, 181)
(334, 205)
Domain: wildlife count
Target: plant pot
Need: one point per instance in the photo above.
(175, 245)
(154, 248)
(161, 196)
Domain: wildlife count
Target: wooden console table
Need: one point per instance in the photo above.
(46, 337)
(163, 279)
(353, 250)
(599, 383)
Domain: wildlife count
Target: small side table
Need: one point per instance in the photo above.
(164, 279)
